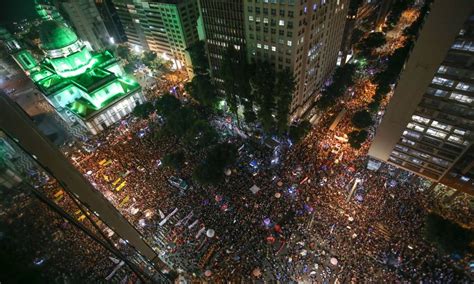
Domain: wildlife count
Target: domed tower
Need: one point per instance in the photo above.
(64, 50)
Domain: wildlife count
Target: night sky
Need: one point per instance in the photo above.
(14, 10)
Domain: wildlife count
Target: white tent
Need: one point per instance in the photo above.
(254, 189)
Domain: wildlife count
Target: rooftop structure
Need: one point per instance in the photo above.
(84, 87)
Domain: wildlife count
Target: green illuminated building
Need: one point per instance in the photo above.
(84, 87)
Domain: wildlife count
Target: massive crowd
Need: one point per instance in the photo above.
(315, 214)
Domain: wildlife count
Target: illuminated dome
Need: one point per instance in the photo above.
(55, 35)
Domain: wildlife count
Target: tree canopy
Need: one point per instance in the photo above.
(123, 51)
(371, 42)
(167, 104)
(446, 235)
(211, 170)
(174, 160)
(299, 131)
(362, 119)
(200, 135)
(342, 79)
(143, 110)
(202, 90)
(357, 138)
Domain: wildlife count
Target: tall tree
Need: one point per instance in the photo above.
(298, 132)
(143, 110)
(180, 121)
(230, 74)
(263, 83)
(174, 160)
(446, 235)
(201, 135)
(197, 52)
(123, 51)
(362, 119)
(371, 42)
(202, 90)
(167, 104)
(284, 88)
(357, 138)
(211, 170)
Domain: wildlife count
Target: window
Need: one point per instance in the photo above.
(436, 133)
(290, 14)
(455, 139)
(412, 134)
(281, 22)
(257, 20)
(259, 45)
(443, 81)
(461, 98)
(265, 46)
(467, 45)
(289, 43)
(465, 87)
(440, 125)
(415, 127)
(442, 69)
(274, 48)
(265, 20)
(251, 18)
(459, 131)
(420, 119)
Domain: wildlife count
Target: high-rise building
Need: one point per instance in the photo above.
(303, 37)
(167, 27)
(223, 23)
(87, 22)
(111, 21)
(428, 125)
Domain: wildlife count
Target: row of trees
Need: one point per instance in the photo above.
(148, 58)
(255, 92)
(395, 62)
(343, 78)
(385, 79)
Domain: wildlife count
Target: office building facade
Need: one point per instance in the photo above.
(302, 37)
(223, 23)
(111, 21)
(428, 125)
(87, 22)
(167, 27)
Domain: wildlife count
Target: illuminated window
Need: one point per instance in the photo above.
(265, 20)
(265, 46)
(412, 134)
(420, 119)
(443, 81)
(455, 139)
(436, 133)
(440, 125)
(415, 127)
(461, 98)
(465, 87)
(250, 18)
(259, 45)
(459, 131)
(281, 22)
(274, 48)
(289, 43)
